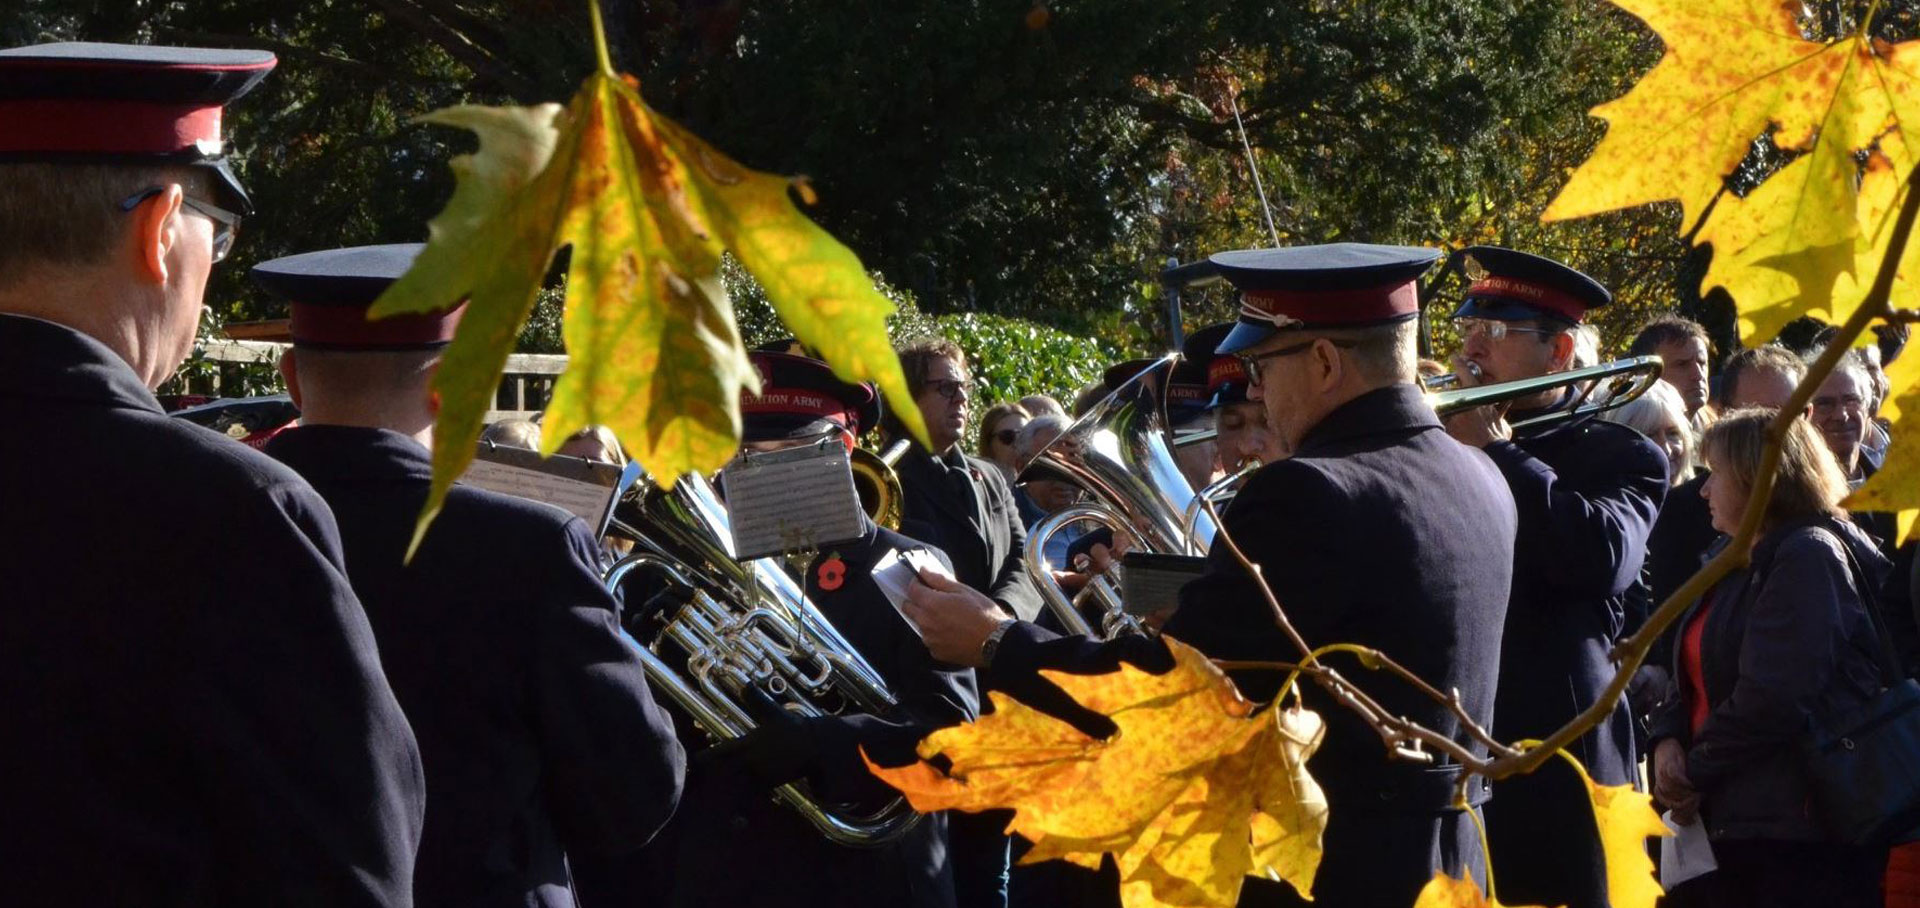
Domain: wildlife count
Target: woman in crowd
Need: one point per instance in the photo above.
(998, 429)
(1766, 652)
(1661, 415)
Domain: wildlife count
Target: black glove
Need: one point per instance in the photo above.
(781, 748)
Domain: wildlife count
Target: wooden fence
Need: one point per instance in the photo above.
(524, 389)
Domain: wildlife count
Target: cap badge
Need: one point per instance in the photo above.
(1474, 270)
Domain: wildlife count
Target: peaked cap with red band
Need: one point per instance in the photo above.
(800, 398)
(125, 102)
(1338, 285)
(1221, 377)
(328, 294)
(1513, 286)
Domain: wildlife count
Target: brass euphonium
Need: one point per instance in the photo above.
(877, 484)
(1120, 454)
(741, 624)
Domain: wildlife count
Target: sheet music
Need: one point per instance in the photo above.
(1151, 583)
(573, 484)
(795, 500)
(896, 570)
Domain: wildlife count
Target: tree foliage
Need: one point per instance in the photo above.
(977, 161)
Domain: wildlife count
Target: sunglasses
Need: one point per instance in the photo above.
(226, 224)
(1006, 436)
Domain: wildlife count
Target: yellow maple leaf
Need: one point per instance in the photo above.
(1193, 792)
(647, 209)
(1448, 892)
(1626, 819)
(1808, 238)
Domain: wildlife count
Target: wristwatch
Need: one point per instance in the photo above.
(992, 643)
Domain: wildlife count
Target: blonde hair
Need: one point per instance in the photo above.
(616, 455)
(1809, 482)
(1646, 413)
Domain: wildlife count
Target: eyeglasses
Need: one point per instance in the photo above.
(1492, 328)
(1006, 436)
(949, 388)
(1250, 362)
(226, 224)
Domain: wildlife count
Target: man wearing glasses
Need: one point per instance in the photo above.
(193, 692)
(1376, 529)
(1588, 491)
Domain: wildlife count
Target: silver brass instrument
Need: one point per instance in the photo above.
(1121, 455)
(1597, 389)
(743, 624)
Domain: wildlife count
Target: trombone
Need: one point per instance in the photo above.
(1597, 389)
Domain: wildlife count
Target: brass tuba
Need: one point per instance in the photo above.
(1121, 455)
(741, 624)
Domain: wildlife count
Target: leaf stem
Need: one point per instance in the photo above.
(600, 40)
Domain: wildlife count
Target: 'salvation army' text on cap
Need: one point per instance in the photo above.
(800, 397)
(1337, 285)
(328, 293)
(1223, 380)
(125, 103)
(1509, 285)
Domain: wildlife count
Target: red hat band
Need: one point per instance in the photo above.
(1539, 296)
(108, 127)
(799, 402)
(1331, 308)
(1224, 370)
(348, 327)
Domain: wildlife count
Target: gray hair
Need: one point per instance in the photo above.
(1023, 444)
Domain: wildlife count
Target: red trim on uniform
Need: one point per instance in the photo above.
(1539, 296)
(799, 402)
(348, 326)
(1327, 308)
(95, 126)
(1224, 370)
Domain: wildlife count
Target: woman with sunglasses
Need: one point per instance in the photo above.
(998, 429)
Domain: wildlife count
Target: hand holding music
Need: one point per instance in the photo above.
(954, 619)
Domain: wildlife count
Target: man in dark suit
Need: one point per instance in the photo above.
(962, 505)
(1376, 529)
(1588, 491)
(195, 712)
(728, 814)
(540, 737)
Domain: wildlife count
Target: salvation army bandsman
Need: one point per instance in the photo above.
(195, 712)
(1377, 529)
(540, 737)
(730, 843)
(1588, 492)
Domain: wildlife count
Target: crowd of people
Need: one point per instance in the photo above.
(243, 677)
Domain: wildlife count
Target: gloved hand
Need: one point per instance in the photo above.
(781, 748)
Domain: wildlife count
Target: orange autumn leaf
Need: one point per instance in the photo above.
(1193, 793)
(1447, 892)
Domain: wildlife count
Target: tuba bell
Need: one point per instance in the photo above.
(1121, 455)
(739, 624)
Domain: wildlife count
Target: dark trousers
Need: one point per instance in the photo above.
(977, 845)
(1546, 849)
(1379, 859)
(1758, 873)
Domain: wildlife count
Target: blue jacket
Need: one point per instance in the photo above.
(195, 710)
(1787, 641)
(537, 728)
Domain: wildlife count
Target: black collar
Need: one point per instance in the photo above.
(351, 453)
(1395, 408)
(44, 361)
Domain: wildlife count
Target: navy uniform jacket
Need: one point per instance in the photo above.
(1588, 494)
(966, 509)
(195, 712)
(731, 844)
(1381, 530)
(537, 728)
